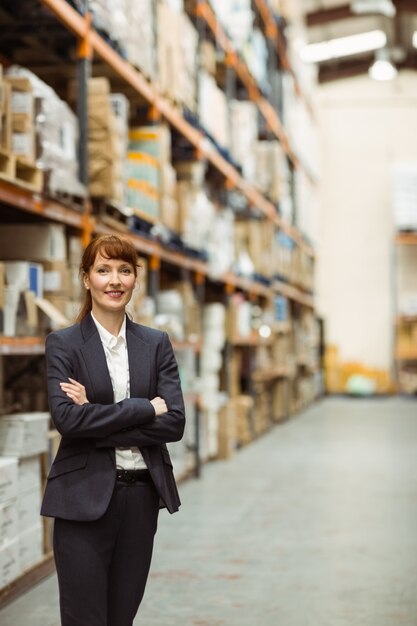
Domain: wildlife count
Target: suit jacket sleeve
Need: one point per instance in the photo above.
(88, 420)
(163, 428)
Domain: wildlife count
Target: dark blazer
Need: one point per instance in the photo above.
(82, 477)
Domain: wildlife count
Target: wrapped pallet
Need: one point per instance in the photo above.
(55, 129)
(107, 135)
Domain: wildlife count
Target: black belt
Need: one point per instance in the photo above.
(133, 476)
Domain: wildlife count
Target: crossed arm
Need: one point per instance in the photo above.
(131, 422)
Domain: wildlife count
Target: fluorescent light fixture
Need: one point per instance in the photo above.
(415, 39)
(343, 46)
(382, 68)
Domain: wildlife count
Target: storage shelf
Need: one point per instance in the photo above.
(14, 195)
(205, 12)
(79, 26)
(21, 346)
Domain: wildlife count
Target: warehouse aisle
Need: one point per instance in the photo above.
(312, 525)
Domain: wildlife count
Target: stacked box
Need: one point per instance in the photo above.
(254, 239)
(188, 76)
(106, 143)
(207, 57)
(9, 548)
(169, 52)
(56, 136)
(243, 407)
(151, 180)
(227, 431)
(244, 135)
(139, 37)
(22, 106)
(212, 98)
(5, 114)
(24, 434)
(196, 213)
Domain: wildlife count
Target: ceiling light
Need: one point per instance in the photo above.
(382, 68)
(384, 7)
(343, 46)
(415, 39)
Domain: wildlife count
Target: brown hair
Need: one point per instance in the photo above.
(110, 247)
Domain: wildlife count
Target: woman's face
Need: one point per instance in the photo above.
(111, 283)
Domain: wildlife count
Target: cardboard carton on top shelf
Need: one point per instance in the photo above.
(170, 66)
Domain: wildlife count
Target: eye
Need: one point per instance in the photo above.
(102, 270)
(126, 270)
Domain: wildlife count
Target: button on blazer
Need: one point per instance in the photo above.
(82, 477)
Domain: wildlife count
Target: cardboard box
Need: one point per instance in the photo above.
(9, 562)
(153, 140)
(25, 275)
(36, 242)
(57, 277)
(8, 478)
(24, 434)
(29, 474)
(9, 521)
(29, 505)
(30, 546)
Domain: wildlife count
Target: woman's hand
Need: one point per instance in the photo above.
(75, 391)
(159, 405)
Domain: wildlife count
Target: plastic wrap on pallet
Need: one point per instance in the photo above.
(221, 257)
(244, 134)
(56, 137)
(256, 56)
(110, 16)
(236, 18)
(139, 38)
(210, 99)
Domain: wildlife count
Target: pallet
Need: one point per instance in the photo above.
(19, 171)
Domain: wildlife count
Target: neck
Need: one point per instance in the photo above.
(112, 321)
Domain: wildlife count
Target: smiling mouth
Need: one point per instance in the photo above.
(115, 294)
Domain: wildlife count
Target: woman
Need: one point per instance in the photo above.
(115, 397)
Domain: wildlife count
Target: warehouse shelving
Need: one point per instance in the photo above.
(273, 33)
(80, 219)
(80, 26)
(405, 333)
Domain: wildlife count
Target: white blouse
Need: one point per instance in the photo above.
(115, 349)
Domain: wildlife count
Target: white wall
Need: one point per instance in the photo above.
(365, 127)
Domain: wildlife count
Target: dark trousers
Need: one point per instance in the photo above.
(103, 566)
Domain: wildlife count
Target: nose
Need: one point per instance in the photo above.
(114, 278)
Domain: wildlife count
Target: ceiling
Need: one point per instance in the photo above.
(330, 19)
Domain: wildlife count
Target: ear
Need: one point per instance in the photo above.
(86, 281)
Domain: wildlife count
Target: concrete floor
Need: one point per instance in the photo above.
(315, 524)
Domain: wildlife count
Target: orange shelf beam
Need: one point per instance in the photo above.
(26, 200)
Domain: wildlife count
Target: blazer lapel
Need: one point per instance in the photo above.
(139, 362)
(95, 361)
